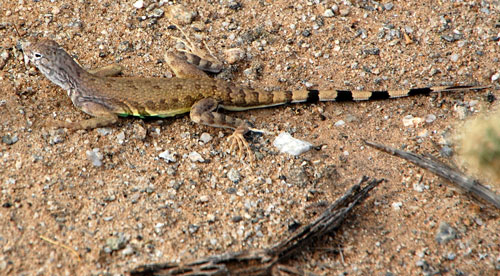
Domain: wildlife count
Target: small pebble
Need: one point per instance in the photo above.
(204, 199)
(344, 12)
(129, 250)
(193, 228)
(410, 121)
(157, 13)
(328, 13)
(95, 157)
(234, 55)
(234, 175)
(196, 157)
(104, 131)
(169, 157)
(139, 4)
(446, 151)
(205, 137)
(388, 6)
(397, 205)
(120, 137)
(116, 243)
(445, 233)
(180, 14)
(430, 118)
(9, 140)
(495, 76)
(339, 123)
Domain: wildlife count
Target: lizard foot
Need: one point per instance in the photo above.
(238, 142)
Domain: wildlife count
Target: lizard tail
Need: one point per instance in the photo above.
(246, 98)
(346, 95)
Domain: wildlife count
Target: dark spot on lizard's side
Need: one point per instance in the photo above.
(253, 97)
(344, 95)
(288, 96)
(188, 99)
(150, 105)
(120, 106)
(162, 105)
(179, 86)
(197, 86)
(174, 100)
(379, 95)
(108, 85)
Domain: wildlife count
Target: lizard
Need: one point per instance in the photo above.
(106, 97)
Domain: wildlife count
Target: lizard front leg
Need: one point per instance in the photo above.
(102, 117)
(204, 112)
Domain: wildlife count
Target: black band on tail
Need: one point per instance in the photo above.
(379, 95)
(312, 96)
(419, 91)
(344, 95)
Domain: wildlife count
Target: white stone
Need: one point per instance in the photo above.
(139, 4)
(287, 144)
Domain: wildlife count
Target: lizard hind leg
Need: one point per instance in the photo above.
(204, 112)
(188, 55)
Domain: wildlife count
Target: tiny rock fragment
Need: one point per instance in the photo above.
(4, 56)
(169, 157)
(95, 157)
(408, 39)
(339, 123)
(9, 140)
(397, 205)
(139, 4)
(196, 157)
(344, 11)
(410, 121)
(328, 13)
(139, 132)
(234, 175)
(445, 233)
(116, 243)
(494, 78)
(205, 137)
(234, 55)
(180, 14)
(430, 118)
(287, 144)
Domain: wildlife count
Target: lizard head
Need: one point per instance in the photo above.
(41, 53)
(52, 60)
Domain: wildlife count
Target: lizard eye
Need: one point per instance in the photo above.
(38, 55)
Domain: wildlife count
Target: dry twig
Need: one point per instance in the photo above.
(266, 261)
(467, 184)
(61, 245)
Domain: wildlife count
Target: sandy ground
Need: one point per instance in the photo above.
(137, 208)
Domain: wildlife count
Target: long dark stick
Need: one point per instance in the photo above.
(456, 177)
(266, 261)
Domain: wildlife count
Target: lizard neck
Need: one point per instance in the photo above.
(65, 72)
